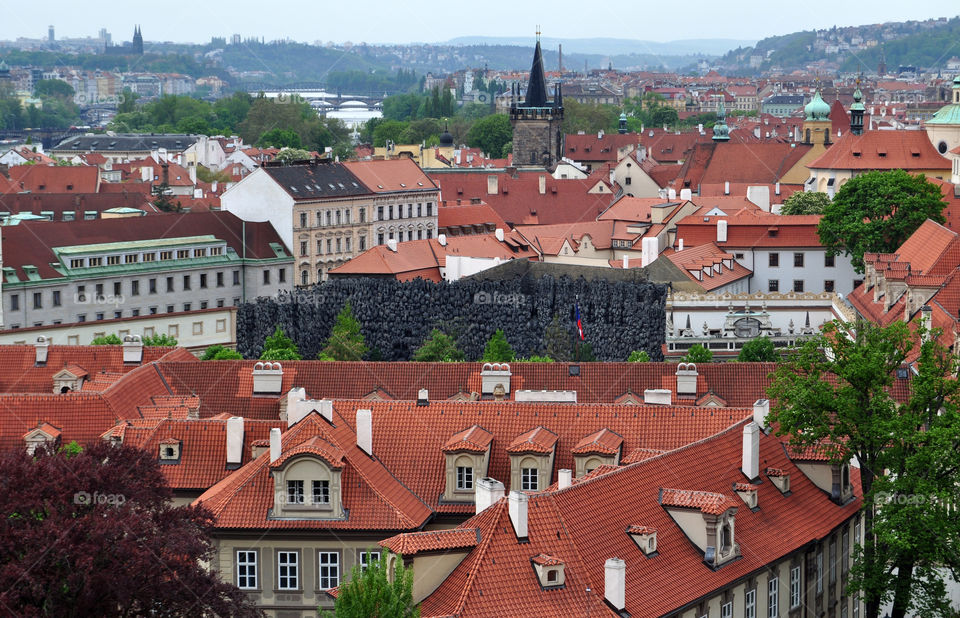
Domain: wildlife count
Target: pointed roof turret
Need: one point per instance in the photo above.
(537, 88)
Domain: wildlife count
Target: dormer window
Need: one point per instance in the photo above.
(531, 459)
(170, 451)
(464, 478)
(714, 532)
(467, 455)
(314, 465)
(646, 539)
(550, 571)
(601, 448)
(295, 492)
(321, 492)
(529, 479)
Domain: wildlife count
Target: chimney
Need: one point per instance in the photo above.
(722, 230)
(626, 261)
(926, 320)
(564, 478)
(492, 185)
(325, 408)
(750, 464)
(146, 174)
(760, 411)
(499, 234)
(213, 187)
(234, 441)
(776, 189)
(672, 194)
(132, 349)
(392, 244)
(657, 396)
(615, 583)
(423, 398)
(493, 375)
(274, 444)
(649, 250)
(518, 513)
(42, 346)
(488, 492)
(442, 239)
(686, 194)
(679, 244)
(267, 378)
(687, 379)
(726, 187)
(365, 431)
(759, 196)
(543, 184)
(193, 174)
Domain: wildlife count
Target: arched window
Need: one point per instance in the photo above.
(552, 576)
(726, 538)
(304, 277)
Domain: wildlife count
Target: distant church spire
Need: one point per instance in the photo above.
(537, 88)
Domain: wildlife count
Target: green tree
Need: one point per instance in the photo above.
(389, 130)
(556, 341)
(280, 138)
(128, 101)
(698, 354)
(279, 347)
(877, 211)
(439, 347)
(346, 341)
(639, 356)
(841, 402)
(489, 134)
(498, 349)
(289, 155)
(111, 339)
(759, 350)
(160, 341)
(588, 117)
(536, 358)
(805, 203)
(374, 592)
(219, 352)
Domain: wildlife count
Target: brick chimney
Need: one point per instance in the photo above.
(488, 492)
(234, 441)
(615, 583)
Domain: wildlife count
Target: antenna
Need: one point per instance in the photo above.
(538, 33)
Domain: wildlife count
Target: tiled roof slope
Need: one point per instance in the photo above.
(413, 543)
(56, 179)
(882, 150)
(752, 229)
(585, 524)
(316, 180)
(58, 203)
(708, 257)
(391, 176)
(82, 417)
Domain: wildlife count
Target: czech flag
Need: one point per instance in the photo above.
(579, 323)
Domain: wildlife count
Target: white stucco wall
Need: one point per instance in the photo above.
(258, 198)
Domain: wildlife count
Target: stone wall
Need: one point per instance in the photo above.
(395, 317)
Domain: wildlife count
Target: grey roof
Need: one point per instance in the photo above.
(127, 142)
(785, 99)
(314, 180)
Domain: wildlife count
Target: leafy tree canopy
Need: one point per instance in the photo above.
(877, 211)
(160, 340)
(498, 349)
(490, 134)
(280, 138)
(279, 347)
(759, 350)
(639, 356)
(111, 339)
(698, 354)
(370, 593)
(805, 203)
(219, 352)
(439, 347)
(346, 341)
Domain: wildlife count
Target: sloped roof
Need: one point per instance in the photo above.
(391, 176)
(752, 229)
(882, 150)
(410, 544)
(316, 180)
(708, 257)
(604, 442)
(54, 179)
(595, 147)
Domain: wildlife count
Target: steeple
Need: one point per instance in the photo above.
(537, 88)
(856, 111)
(721, 132)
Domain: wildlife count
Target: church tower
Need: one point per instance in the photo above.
(721, 132)
(137, 41)
(537, 134)
(856, 111)
(816, 123)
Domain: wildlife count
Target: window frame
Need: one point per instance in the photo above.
(795, 583)
(798, 259)
(464, 478)
(750, 603)
(363, 558)
(773, 259)
(325, 489)
(334, 565)
(238, 564)
(296, 494)
(529, 479)
(296, 570)
(773, 597)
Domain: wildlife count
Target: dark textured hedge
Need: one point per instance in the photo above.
(618, 316)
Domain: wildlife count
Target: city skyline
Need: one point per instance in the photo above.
(381, 24)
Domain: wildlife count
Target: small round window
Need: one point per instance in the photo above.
(942, 147)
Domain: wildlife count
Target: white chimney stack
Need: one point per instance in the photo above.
(722, 230)
(499, 234)
(672, 194)
(615, 583)
(564, 478)
(234, 441)
(626, 261)
(649, 249)
(686, 194)
(132, 349)
(442, 239)
(518, 513)
(365, 431)
(392, 244)
(679, 244)
(423, 397)
(274, 444)
(543, 184)
(751, 451)
(760, 410)
(42, 347)
(488, 492)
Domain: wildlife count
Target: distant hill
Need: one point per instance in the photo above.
(615, 47)
(926, 45)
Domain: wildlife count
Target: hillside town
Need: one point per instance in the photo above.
(542, 343)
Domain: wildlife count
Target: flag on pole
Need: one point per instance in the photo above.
(579, 323)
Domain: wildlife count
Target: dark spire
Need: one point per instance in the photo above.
(537, 88)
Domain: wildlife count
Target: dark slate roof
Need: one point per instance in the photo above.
(785, 99)
(127, 142)
(537, 88)
(315, 180)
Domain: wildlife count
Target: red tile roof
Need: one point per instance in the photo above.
(545, 560)
(475, 439)
(594, 147)
(717, 267)
(55, 179)
(537, 440)
(753, 163)
(882, 150)
(708, 502)
(604, 442)
(752, 229)
(453, 215)
(390, 176)
(413, 543)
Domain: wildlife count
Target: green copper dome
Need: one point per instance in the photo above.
(857, 100)
(817, 108)
(721, 132)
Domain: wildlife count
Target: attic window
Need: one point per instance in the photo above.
(402, 185)
(169, 451)
(914, 152)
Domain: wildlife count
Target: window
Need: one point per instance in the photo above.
(819, 572)
(282, 275)
(329, 562)
(367, 558)
(429, 209)
(419, 210)
(220, 279)
(750, 604)
(152, 286)
(216, 250)
(117, 290)
(379, 213)
(303, 219)
(321, 491)
(363, 243)
(134, 312)
(828, 286)
(246, 570)
(183, 254)
(347, 244)
(773, 597)
(186, 282)
(113, 260)
(774, 260)
(170, 308)
(844, 552)
(379, 239)
(726, 610)
(833, 561)
(363, 215)
(429, 234)
(14, 302)
(135, 288)
(798, 260)
(236, 277)
(169, 284)
(95, 261)
(81, 317)
(329, 245)
(288, 570)
(99, 315)
(798, 285)
(338, 217)
(166, 255)
(81, 294)
(295, 492)
(304, 277)
(187, 306)
(529, 479)
(131, 258)
(99, 289)
(328, 218)
(773, 285)
(795, 587)
(56, 298)
(203, 305)
(628, 179)
(828, 261)
(339, 245)
(319, 218)
(266, 276)
(303, 247)
(38, 300)
(76, 263)
(464, 478)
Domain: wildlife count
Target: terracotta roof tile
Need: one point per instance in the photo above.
(708, 502)
(475, 439)
(537, 440)
(413, 543)
(603, 442)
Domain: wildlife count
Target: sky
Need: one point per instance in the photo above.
(393, 21)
